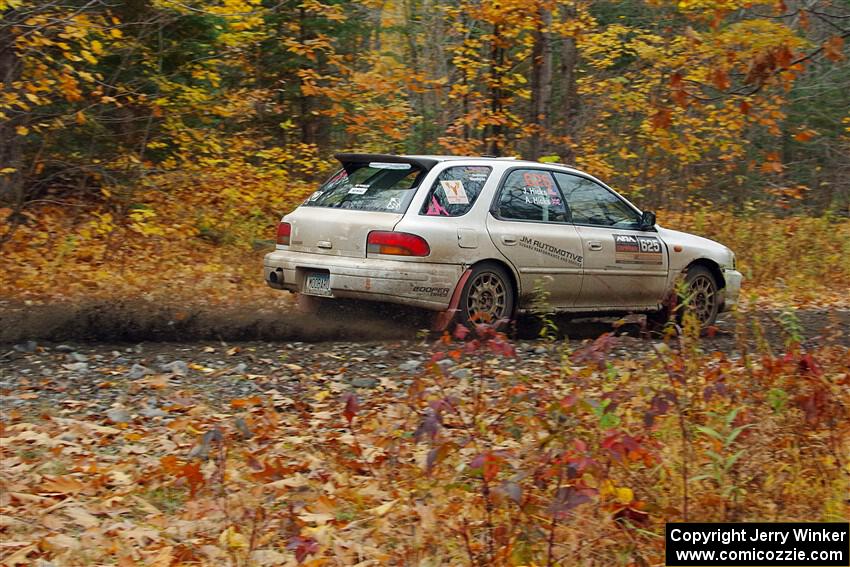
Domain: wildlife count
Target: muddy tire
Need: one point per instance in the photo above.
(702, 297)
(488, 296)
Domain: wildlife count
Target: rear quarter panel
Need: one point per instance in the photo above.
(456, 240)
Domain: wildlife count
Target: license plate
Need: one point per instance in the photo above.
(318, 284)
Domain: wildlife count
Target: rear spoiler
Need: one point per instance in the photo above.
(423, 163)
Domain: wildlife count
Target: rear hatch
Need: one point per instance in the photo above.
(370, 192)
(337, 232)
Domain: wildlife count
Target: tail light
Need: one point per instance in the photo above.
(284, 229)
(396, 243)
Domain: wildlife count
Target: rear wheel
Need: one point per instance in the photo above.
(488, 295)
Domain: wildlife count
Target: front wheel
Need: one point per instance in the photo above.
(702, 298)
(488, 296)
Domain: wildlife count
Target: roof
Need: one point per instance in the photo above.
(426, 162)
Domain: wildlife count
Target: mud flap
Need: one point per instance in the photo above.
(308, 304)
(443, 319)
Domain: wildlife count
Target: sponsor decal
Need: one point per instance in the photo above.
(455, 193)
(630, 249)
(432, 291)
(394, 203)
(550, 250)
(358, 189)
(436, 209)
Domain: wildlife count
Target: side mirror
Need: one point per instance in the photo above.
(647, 220)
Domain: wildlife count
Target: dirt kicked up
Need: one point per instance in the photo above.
(95, 355)
(119, 321)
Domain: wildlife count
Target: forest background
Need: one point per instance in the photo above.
(148, 147)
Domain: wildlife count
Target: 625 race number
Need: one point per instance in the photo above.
(650, 245)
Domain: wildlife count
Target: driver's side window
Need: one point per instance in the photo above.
(593, 204)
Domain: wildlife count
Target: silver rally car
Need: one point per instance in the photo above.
(481, 237)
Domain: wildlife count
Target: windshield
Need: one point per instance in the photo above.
(371, 186)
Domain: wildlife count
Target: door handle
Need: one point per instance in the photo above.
(509, 240)
(594, 245)
(326, 244)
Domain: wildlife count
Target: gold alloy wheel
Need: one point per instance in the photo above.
(703, 298)
(487, 297)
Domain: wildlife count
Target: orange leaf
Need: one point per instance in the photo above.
(784, 56)
(833, 48)
(63, 484)
(245, 402)
(192, 473)
(772, 164)
(720, 79)
(805, 135)
(661, 119)
(170, 464)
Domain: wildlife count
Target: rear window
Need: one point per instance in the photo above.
(455, 190)
(371, 186)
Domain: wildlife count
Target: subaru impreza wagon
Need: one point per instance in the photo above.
(483, 238)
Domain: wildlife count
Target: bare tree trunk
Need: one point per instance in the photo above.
(497, 60)
(306, 118)
(541, 83)
(570, 105)
(416, 96)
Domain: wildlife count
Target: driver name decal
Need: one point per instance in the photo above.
(550, 250)
(637, 249)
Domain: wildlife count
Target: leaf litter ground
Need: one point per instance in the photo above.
(245, 453)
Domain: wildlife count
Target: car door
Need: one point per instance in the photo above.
(624, 267)
(529, 225)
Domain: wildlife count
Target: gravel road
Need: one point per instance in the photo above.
(96, 378)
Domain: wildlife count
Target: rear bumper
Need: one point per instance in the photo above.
(419, 284)
(732, 290)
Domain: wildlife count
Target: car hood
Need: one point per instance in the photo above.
(694, 247)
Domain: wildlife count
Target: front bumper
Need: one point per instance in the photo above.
(420, 284)
(732, 291)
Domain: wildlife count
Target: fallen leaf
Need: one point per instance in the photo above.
(383, 508)
(63, 484)
(232, 539)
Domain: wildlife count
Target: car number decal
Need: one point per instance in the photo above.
(631, 249)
